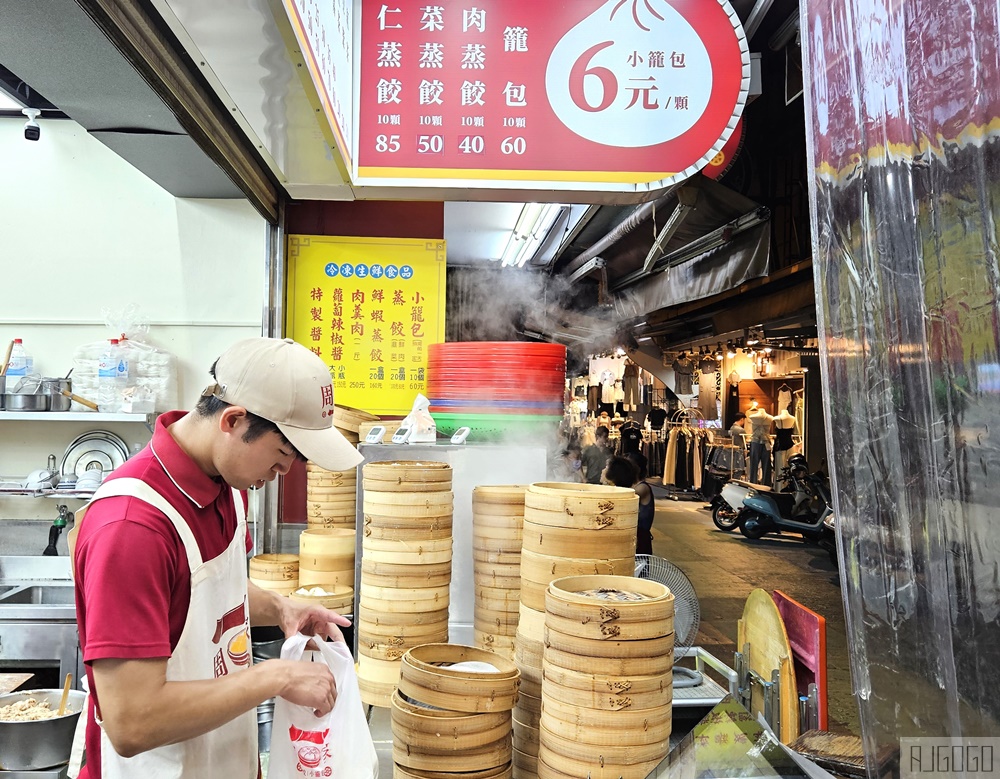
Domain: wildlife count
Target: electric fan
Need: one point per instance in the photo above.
(687, 614)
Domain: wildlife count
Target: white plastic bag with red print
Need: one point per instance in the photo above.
(337, 746)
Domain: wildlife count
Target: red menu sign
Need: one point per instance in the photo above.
(618, 95)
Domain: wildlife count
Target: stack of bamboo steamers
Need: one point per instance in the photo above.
(405, 569)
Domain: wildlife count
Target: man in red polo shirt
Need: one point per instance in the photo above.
(163, 602)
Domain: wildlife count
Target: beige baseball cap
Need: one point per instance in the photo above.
(285, 383)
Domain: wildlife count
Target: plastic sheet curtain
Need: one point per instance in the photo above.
(902, 115)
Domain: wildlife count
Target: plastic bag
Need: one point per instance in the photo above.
(421, 423)
(338, 745)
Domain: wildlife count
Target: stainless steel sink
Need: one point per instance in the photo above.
(48, 594)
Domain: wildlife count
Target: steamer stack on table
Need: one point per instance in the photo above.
(451, 715)
(568, 530)
(331, 497)
(497, 516)
(276, 572)
(405, 569)
(608, 667)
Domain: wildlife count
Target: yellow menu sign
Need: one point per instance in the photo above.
(370, 307)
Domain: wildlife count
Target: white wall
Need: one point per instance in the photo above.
(82, 231)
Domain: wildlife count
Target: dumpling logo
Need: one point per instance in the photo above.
(633, 73)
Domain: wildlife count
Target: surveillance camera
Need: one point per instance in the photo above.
(32, 132)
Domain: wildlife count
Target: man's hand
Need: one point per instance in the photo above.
(305, 684)
(297, 617)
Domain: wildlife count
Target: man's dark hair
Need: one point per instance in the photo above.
(601, 433)
(621, 472)
(257, 426)
(638, 459)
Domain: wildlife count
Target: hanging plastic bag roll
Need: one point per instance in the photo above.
(338, 745)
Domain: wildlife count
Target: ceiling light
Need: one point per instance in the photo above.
(767, 350)
(718, 352)
(730, 351)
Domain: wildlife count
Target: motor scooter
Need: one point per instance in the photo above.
(727, 504)
(802, 510)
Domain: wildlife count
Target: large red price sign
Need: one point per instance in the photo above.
(619, 95)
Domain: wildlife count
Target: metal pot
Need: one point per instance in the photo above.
(45, 743)
(21, 401)
(54, 388)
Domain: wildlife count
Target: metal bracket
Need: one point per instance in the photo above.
(809, 710)
(771, 689)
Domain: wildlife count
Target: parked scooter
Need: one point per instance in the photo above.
(801, 510)
(727, 504)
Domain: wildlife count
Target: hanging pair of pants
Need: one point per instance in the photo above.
(631, 387)
(760, 460)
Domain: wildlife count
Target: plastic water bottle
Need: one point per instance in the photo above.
(21, 363)
(109, 398)
(123, 370)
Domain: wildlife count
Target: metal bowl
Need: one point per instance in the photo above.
(53, 388)
(44, 743)
(21, 401)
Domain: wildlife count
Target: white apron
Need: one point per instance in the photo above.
(215, 641)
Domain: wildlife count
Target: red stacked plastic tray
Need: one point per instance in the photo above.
(496, 388)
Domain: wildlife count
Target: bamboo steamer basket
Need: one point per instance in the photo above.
(499, 544)
(524, 737)
(569, 769)
(351, 419)
(575, 541)
(611, 629)
(493, 597)
(416, 508)
(401, 608)
(626, 726)
(402, 471)
(531, 624)
(624, 518)
(443, 497)
(282, 587)
(500, 622)
(500, 557)
(408, 599)
(603, 754)
(435, 532)
(375, 617)
(326, 579)
(608, 649)
(415, 551)
(496, 512)
(274, 567)
(426, 677)
(340, 599)
(424, 520)
(605, 685)
(438, 731)
(317, 547)
(622, 599)
(494, 642)
(568, 496)
(405, 576)
(495, 579)
(377, 679)
(528, 709)
(330, 521)
(537, 570)
(524, 766)
(611, 666)
(483, 757)
(393, 649)
(497, 772)
(610, 701)
(509, 574)
(378, 485)
(381, 640)
(499, 494)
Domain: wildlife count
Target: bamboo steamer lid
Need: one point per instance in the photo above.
(427, 677)
(279, 586)
(274, 567)
(577, 542)
(496, 772)
(573, 498)
(481, 758)
(400, 471)
(609, 648)
(351, 419)
(375, 617)
(566, 768)
(339, 598)
(629, 726)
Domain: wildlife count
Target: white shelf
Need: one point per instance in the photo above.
(70, 416)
